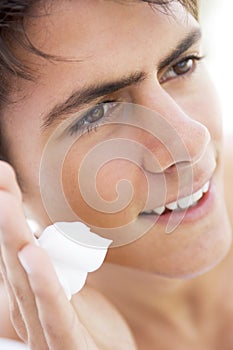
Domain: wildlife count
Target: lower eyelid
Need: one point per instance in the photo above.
(196, 61)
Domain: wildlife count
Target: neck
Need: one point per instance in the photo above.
(148, 291)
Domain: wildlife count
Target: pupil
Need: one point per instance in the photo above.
(183, 67)
(96, 114)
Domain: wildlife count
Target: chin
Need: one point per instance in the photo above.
(200, 256)
(198, 244)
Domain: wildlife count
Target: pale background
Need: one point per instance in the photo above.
(217, 22)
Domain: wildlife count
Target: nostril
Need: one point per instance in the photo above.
(174, 168)
(171, 169)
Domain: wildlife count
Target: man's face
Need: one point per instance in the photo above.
(126, 91)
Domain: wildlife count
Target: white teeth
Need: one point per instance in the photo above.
(148, 211)
(185, 202)
(197, 195)
(172, 206)
(182, 203)
(159, 210)
(206, 187)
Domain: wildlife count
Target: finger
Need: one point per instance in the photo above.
(15, 315)
(61, 326)
(8, 181)
(15, 234)
(24, 316)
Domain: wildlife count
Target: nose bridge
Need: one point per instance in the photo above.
(181, 138)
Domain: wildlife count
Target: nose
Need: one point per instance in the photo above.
(172, 136)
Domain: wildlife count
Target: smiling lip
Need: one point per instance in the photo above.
(192, 214)
(182, 203)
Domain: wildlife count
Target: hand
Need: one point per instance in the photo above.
(40, 312)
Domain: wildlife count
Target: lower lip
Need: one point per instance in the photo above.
(192, 214)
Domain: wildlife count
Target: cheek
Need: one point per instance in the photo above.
(103, 194)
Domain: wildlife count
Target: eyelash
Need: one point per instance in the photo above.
(193, 58)
(83, 124)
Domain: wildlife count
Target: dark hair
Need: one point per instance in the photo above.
(12, 16)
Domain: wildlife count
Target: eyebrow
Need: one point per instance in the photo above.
(192, 38)
(86, 95)
(79, 99)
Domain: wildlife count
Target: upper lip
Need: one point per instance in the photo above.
(198, 185)
(179, 183)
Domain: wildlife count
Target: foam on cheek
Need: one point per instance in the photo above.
(74, 251)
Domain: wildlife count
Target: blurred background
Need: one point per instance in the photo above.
(216, 17)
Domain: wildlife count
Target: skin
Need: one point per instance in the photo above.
(151, 270)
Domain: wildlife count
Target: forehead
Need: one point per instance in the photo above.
(95, 30)
(94, 40)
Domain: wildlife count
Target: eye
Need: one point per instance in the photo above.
(91, 118)
(96, 113)
(181, 68)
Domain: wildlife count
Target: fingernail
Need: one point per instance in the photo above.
(23, 258)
